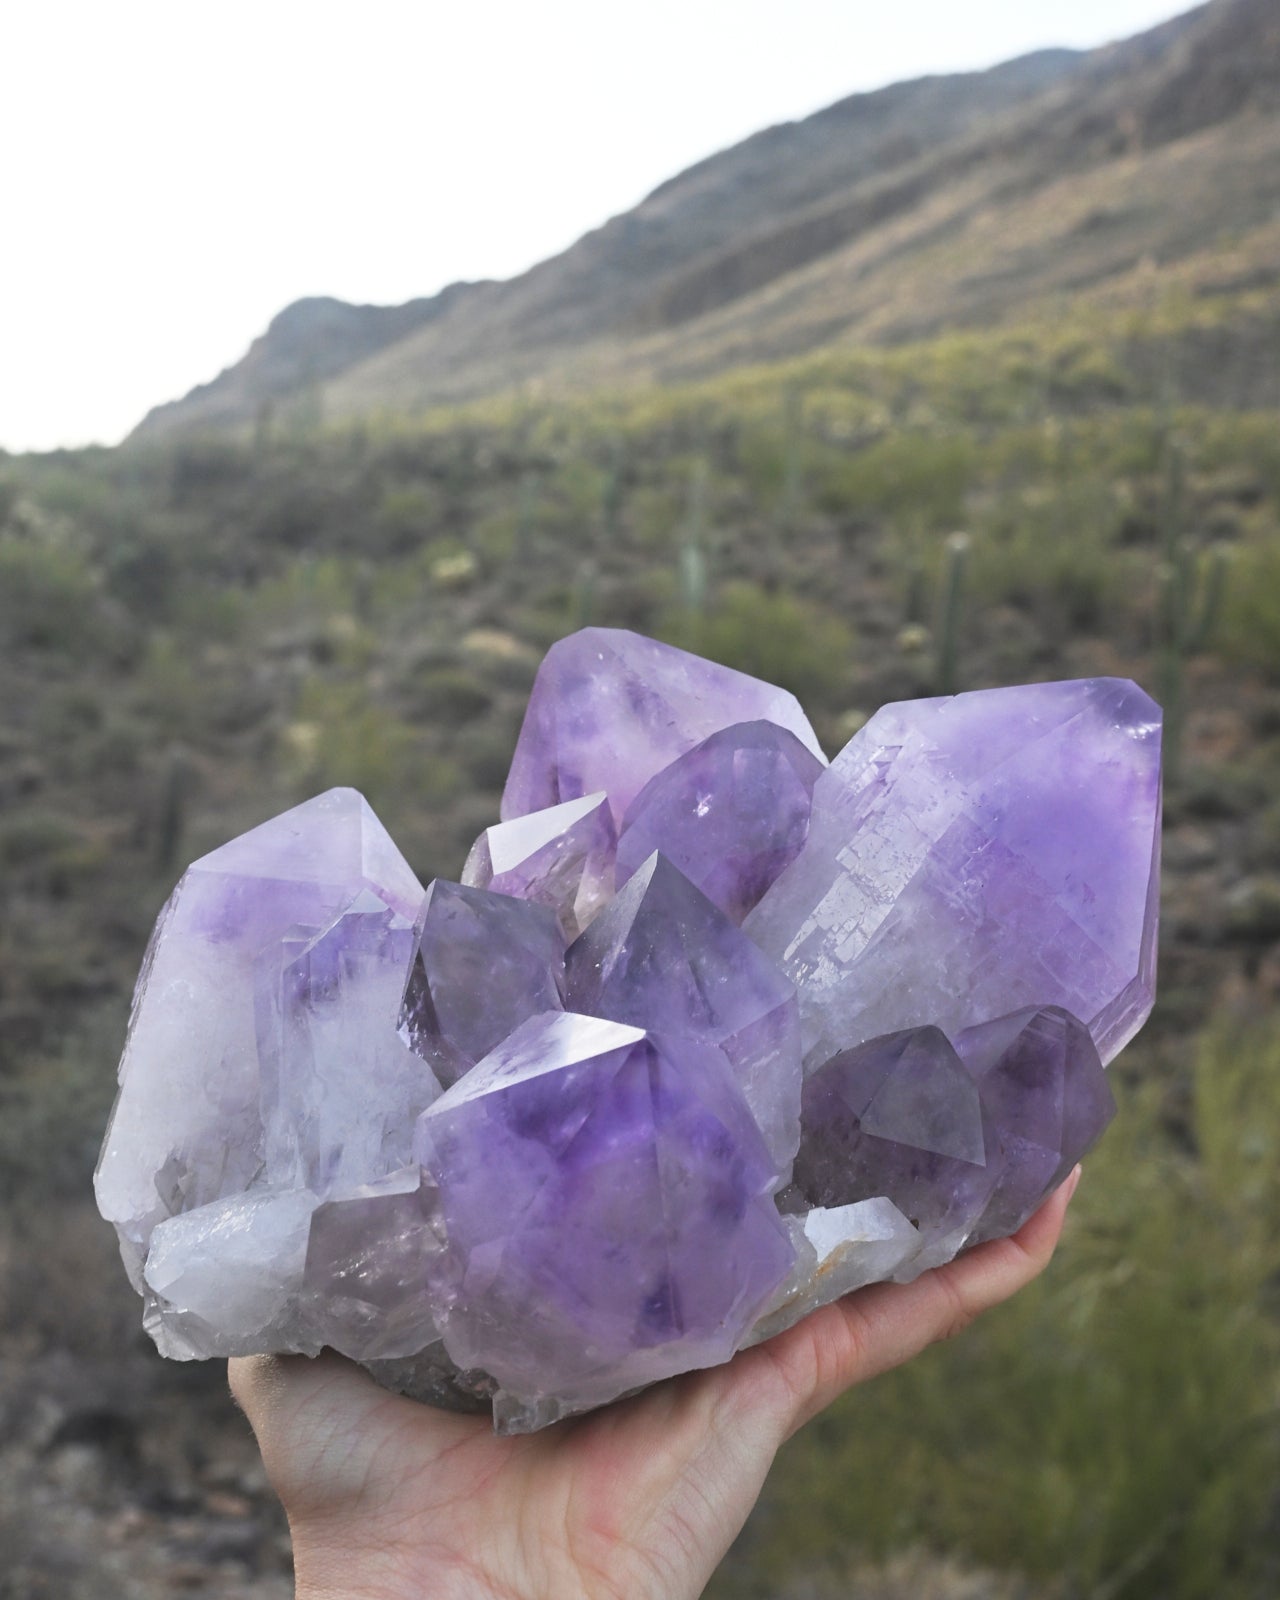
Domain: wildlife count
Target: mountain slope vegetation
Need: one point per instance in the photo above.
(960, 201)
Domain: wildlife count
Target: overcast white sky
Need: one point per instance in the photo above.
(176, 171)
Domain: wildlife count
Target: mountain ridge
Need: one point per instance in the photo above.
(885, 215)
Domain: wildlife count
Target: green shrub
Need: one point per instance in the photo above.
(779, 637)
(916, 478)
(1250, 632)
(447, 697)
(48, 597)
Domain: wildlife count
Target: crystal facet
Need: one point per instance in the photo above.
(900, 1117)
(610, 709)
(972, 855)
(504, 1174)
(662, 956)
(272, 982)
(840, 1249)
(632, 1234)
(562, 857)
(731, 813)
(1044, 1089)
(485, 963)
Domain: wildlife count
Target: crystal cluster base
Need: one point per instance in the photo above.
(710, 1033)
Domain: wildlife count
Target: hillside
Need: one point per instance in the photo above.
(943, 202)
(610, 278)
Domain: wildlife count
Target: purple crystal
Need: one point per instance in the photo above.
(900, 1117)
(973, 855)
(662, 956)
(631, 1234)
(562, 858)
(610, 709)
(609, 1188)
(1045, 1091)
(485, 964)
(731, 813)
(273, 981)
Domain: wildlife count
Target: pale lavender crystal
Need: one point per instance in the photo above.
(972, 855)
(1045, 1091)
(662, 956)
(562, 857)
(610, 709)
(731, 813)
(630, 1233)
(262, 1071)
(900, 1117)
(485, 963)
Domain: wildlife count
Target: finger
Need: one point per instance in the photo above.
(880, 1327)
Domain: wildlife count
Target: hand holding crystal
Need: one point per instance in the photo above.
(389, 1499)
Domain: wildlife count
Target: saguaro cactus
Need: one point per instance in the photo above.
(693, 548)
(1190, 584)
(950, 611)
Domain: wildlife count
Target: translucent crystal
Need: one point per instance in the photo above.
(900, 1117)
(731, 813)
(262, 1071)
(610, 709)
(502, 1173)
(973, 855)
(562, 857)
(1048, 1100)
(632, 1234)
(662, 956)
(485, 963)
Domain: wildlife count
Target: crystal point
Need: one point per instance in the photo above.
(663, 956)
(731, 813)
(562, 857)
(485, 963)
(972, 855)
(632, 1234)
(262, 1070)
(900, 1117)
(610, 709)
(1043, 1087)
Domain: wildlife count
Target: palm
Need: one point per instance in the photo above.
(389, 1498)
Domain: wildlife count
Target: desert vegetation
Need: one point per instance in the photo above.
(198, 632)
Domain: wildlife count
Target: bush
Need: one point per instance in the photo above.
(914, 478)
(47, 597)
(778, 637)
(1250, 633)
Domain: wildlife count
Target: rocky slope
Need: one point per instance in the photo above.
(939, 203)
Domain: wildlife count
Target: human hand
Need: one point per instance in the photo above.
(388, 1499)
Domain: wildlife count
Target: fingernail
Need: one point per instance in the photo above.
(1073, 1182)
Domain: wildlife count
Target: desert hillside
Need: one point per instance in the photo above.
(940, 203)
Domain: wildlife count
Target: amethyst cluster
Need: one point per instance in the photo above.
(710, 1033)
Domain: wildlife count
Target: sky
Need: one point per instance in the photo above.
(174, 172)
